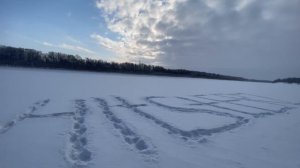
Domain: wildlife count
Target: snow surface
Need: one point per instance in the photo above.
(188, 121)
(56, 118)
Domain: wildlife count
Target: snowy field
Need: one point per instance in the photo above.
(62, 119)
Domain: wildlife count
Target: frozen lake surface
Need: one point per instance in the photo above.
(56, 118)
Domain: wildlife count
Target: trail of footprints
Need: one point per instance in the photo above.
(129, 136)
(78, 155)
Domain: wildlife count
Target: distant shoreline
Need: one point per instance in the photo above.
(30, 58)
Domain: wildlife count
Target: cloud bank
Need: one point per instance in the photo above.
(249, 38)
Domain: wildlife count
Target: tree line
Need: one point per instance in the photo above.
(288, 80)
(23, 57)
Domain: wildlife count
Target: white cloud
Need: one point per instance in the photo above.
(73, 40)
(128, 50)
(76, 48)
(210, 34)
(136, 22)
(47, 44)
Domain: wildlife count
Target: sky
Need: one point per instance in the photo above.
(248, 38)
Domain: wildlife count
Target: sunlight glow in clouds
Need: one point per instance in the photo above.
(139, 23)
(210, 34)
